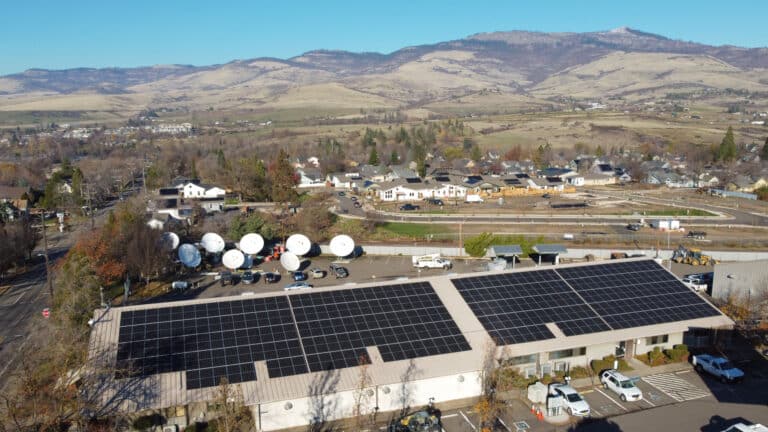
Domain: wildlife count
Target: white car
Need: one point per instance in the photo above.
(297, 286)
(577, 406)
(694, 283)
(616, 382)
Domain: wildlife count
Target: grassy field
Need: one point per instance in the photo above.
(414, 230)
(678, 212)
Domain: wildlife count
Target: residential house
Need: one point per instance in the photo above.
(669, 179)
(743, 183)
(344, 180)
(412, 190)
(601, 168)
(594, 179)
(310, 178)
(402, 172)
(200, 190)
(375, 173)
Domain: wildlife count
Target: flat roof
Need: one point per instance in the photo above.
(170, 388)
(505, 250)
(549, 249)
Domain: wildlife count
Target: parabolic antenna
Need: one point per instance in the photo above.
(251, 244)
(233, 259)
(290, 261)
(212, 242)
(170, 240)
(342, 245)
(298, 244)
(189, 255)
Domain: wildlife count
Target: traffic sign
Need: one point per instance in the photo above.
(46, 313)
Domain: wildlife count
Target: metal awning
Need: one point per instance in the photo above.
(503, 251)
(549, 249)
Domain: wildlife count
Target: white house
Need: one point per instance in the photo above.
(344, 180)
(310, 178)
(404, 191)
(198, 190)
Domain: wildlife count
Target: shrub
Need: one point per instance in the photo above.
(656, 357)
(607, 363)
(580, 372)
(148, 421)
(678, 353)
(546, 379)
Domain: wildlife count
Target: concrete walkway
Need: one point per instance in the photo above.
(639, 369)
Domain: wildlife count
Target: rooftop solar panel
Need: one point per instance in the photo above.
(633, 294)
(515, 307)
(293, 334)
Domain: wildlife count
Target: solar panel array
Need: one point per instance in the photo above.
(295, 334)
(515, 307)
(634, 294)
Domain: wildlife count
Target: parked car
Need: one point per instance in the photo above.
(227, 278)
(317, 273)
(297, 286)
(342, 193)
(616, 382)
(576, 404)
(434, 201)
(718, 367)
(357, 204)
(339, 271)
(353, 198)
(546, 195)
(408, 207)
(299, 276)
(248, 277)
(271, 277)
(633, 227)
(695, 284)
(743, 427)
(180, 285)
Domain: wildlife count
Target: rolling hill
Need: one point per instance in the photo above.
(517, 67)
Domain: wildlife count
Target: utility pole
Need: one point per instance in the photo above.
(45, 254)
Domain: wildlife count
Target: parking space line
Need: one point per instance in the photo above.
(449, 416)
(594, 411)
(611, 399)
(649, 402)
(467, 420)
(503, 424)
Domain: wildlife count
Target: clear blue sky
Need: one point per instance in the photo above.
(59, 34)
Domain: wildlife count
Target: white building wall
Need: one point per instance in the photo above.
(642, 347)
(391, 397)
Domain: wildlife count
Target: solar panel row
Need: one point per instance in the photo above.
(296, 334)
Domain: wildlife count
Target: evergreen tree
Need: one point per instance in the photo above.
(476, 154)
(394, 158)
(221, 160)
(373, 159)
(599, 152)
(727, 150)
(764, 151)
(77, 186)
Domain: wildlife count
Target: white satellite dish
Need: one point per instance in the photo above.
(342, 245)
(290, 261)
(298, 244)
(251, 244)
(170, 240)
(233, 259)
(212, 242)
(189, 255)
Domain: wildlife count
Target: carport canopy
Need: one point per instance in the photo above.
(505, 251)
(549, 249)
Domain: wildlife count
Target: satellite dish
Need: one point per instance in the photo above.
(342, 245)
(212, 242)
(189, 255)
(251, 244)
(290, 261)
(298, 244)
(170, 240)
(233, 259)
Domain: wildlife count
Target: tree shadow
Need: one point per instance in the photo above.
(405, 390)
(718, 423)
(323, 400)
(595, 425)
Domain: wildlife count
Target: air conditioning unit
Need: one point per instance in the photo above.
(171, 428)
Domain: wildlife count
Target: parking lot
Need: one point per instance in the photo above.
(666, 389)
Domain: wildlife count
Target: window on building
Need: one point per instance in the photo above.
(656, 340)
(573, 352)
(520, 360)
(388, 194)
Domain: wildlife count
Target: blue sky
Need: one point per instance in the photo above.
(59, 34)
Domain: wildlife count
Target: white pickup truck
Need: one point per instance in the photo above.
(719, 367)
(431, 261)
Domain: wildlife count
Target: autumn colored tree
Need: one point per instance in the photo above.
(283, 179)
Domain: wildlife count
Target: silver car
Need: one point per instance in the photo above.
(577, 406)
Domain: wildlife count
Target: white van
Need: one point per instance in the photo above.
(473, 199)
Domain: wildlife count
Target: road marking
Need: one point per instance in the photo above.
(467, 420)
(503, 424)
(675, 387)
(611, 399)
(20, 296)
(594, 411)
(649, 402)
(450, 415)
(18, 351)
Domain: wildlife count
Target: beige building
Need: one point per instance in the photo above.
(426, 339)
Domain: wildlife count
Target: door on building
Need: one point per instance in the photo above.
(629, 348)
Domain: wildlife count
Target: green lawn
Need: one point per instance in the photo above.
(678, 212)
(414, 229)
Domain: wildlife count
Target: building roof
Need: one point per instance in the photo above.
(172, 388)
(12, 192)
(549, 249)
(505, 251)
